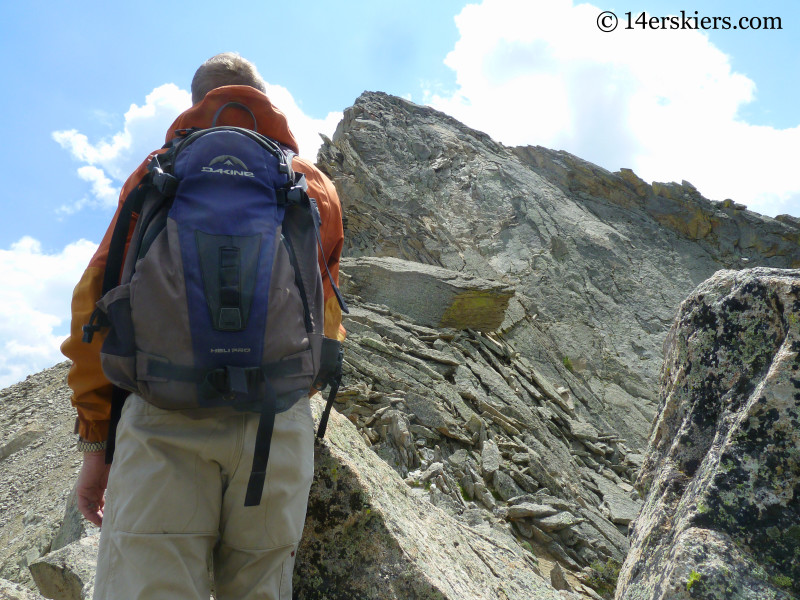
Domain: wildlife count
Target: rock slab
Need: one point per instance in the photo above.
(68, 573)
(368, 536)
(721, 476)
(427, 294)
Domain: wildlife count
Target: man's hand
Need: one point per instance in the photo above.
(91, 488)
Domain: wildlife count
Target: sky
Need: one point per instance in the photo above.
(91, 88)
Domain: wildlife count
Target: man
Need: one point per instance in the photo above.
(172, 505)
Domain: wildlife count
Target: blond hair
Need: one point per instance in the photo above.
(227, 68)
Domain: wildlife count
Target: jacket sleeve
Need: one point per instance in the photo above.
(332, 233)
(91, 390)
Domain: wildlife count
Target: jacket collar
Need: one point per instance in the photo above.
(271, 121)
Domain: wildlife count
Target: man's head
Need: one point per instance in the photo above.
(227, 68)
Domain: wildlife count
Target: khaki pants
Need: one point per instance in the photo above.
(175, 506)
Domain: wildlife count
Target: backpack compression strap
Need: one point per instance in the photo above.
(330, 372)
(222, 382)
(266, 425)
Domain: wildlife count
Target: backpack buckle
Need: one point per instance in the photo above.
(97, 321)
(165, 183)
(290, 195)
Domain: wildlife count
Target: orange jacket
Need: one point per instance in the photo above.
(91, 390)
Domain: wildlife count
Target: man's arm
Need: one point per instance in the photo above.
(91, 488)
(91, 390)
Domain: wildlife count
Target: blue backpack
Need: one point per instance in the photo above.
(218, 300)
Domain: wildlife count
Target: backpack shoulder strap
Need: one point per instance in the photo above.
(116, 253)
(158, 176)
(317, 221)
(116, 248)
(298, 194)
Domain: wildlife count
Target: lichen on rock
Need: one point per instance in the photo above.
(722, 473)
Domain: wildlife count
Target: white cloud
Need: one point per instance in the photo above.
(111, 160)
(663, 103)
(104, 194)
(142, 132)
(305, 129)
(101, 185)
(35, 304)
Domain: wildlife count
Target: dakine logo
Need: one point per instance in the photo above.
(228, 161)
(229, 350)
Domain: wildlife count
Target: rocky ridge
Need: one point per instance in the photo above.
(600, 261)
(478, 431)
(372, 537)
(725, 229)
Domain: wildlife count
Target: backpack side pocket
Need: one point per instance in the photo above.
(118, 354)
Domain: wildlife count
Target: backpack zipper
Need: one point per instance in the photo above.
(266, 143)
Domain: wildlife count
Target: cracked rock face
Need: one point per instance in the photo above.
(601, 260)
(369, 536)
(721, 517)
(478, 433)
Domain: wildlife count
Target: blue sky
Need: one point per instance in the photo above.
(92, 86)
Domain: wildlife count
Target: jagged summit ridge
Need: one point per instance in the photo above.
(599, 261)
